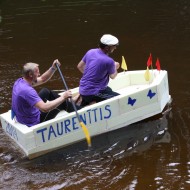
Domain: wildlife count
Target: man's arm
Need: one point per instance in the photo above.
(50, 105)
(112, 76)
(81, 66)
(48, 74)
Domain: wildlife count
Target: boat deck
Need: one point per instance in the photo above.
(126, 90)
(131, 89)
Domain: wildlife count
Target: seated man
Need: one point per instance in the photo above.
(97, 67)
(32, 108)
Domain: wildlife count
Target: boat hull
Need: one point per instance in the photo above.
(139, 99)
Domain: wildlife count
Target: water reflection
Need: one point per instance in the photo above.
(133, 139)
(138, 157)
(76, 166)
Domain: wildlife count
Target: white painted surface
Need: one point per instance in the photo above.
(131, 106)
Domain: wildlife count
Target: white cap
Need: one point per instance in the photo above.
(108, 39)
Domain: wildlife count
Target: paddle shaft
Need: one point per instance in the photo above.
(73, 104)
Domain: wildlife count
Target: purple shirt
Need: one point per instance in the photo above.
(97, 70)
(24, 97)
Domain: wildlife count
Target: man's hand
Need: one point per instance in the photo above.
(67, 94)
(54, 63)
(117, 65)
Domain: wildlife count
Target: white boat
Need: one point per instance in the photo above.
(138, 99)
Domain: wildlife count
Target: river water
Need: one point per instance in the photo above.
(150, 155)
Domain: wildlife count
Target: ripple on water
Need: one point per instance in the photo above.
(109, 163)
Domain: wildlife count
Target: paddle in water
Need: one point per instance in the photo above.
(86, 132)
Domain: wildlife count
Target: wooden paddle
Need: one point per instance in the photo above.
(86, 132)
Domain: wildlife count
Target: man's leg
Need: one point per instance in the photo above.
(87, 100)
(67, 106)
(106, 94)
(48, 95)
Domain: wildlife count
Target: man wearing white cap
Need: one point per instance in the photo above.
(97, 67)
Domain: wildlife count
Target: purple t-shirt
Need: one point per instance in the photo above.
(24, 97)
(97, 70)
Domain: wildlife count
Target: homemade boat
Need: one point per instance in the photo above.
(138, 99)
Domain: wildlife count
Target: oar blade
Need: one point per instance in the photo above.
(86, 132)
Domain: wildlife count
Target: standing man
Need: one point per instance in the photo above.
(97, 67)
(31, 108)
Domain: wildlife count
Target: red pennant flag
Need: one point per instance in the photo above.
(158, 64)
(149, 62)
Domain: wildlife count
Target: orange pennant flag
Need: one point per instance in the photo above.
(149, 62)
(158, 65)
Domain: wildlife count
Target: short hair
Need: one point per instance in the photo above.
(101, 45)
(28, 67)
